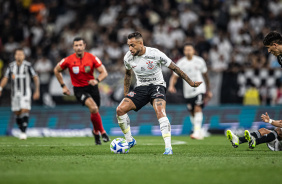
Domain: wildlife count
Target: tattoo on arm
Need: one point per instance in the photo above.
(126, 100)
(177, 70)
(127, 81)
(159, 104)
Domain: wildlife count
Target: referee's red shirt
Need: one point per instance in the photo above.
(81, 69)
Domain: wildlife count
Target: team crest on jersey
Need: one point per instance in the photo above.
(75, 69)
(87, 69)
(150, 64)
(131, 94)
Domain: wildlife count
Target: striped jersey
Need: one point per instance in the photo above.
(20, 78)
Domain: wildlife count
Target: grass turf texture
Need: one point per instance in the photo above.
(78, 160)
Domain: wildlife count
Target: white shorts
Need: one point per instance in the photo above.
(19, 103)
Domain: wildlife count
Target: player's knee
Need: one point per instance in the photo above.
(120, 111)
(160, 114)
(263, 131)
(93, 109)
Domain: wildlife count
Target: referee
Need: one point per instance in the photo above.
(81, 66)
(21, 72)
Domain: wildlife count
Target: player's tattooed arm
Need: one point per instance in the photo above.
(183, 75)
(127, 81)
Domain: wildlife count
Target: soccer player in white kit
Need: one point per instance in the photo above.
(196, 68)
(20, 71)
(146, 64)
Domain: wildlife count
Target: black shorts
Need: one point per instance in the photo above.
(141, 95)
(197, 100)
(82, 93)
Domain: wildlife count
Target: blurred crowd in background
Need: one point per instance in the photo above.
(228, 34)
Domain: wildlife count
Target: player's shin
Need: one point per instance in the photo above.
(198, 119)
(166, 131)
(97, 123)
(19, 121)
(25, 117)
(124, 124)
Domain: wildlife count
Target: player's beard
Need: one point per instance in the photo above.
(137, 52)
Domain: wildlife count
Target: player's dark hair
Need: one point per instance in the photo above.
(78, 39)
(18, 49)
(188, 44)
(272, 37)
(135, 35)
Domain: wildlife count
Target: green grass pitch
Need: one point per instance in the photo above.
(78, 160)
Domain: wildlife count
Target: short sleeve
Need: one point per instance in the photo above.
(164, 60)
(31, 71)
(203, 66)
(97, 62)
(63, 63)
(7, 72)
(126, 62)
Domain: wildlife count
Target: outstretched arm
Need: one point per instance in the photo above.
(265, 117)
(183, 75)
(127, 81)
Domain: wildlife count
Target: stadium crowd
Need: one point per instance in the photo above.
(228, 34)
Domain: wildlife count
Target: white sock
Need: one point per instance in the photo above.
(166, 131)
(192, 119)
(198, 119)
(124, 124)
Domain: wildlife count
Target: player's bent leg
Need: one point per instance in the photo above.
(159, 107)
(96, 121)
(125, 106)
(232, 138)
(267, 138)
(251, 139)
(264, 131)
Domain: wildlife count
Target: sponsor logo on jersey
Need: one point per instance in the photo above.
(150, 64)
(143, 69)
(133, 66)
(147, 79)
(149, 57)
(87, 69)
(75, 69)
(131, 94)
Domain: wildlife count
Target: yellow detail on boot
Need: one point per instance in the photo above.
(166, 135)
(126, 130)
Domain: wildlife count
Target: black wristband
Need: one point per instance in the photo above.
(98, 80)
(62, 85)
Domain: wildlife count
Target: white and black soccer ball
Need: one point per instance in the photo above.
(119, 146)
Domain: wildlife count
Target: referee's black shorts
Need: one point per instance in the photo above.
(82, 93)
(141, 95)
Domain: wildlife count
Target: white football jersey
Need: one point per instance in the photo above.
(194, 69)
(148, 67)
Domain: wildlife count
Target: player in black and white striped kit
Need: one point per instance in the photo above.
(21, 73)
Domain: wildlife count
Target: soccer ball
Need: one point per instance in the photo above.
(119, 146)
